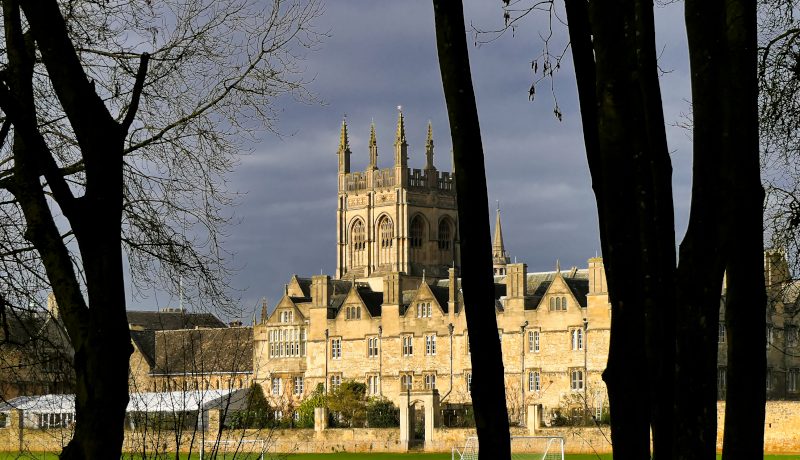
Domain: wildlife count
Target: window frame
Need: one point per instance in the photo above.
(534, 380)
(534, 341)
(430, 344)
(336, 348)
(576, 379)
(298, 384)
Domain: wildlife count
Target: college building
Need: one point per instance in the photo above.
(392, 315)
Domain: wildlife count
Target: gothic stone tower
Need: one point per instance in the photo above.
(395, 219)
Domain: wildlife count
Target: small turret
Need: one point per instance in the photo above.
(373, 148)
(344, 150)
(429, 148)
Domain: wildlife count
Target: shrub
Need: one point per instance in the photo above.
(306, 409)
(382, 413)
(257, 412)
(349, 402)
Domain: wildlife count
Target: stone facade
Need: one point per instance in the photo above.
(392, 316)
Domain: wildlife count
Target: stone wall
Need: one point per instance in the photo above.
(780, 431)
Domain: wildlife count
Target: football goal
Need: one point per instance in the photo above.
(522, 448)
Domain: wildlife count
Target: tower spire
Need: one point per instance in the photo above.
(344, 148)
(400, 144)
(400, 136)
(373, 147)
(499, 255)
(429, 148)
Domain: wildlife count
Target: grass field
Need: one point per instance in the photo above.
(340, 456)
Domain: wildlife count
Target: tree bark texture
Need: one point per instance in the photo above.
(488, 387)
(665, 319)
(97, 325)
(614, 55)
(723, 42)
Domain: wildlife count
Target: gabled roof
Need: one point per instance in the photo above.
(198, 351)
(171, 320)
(20, 327)
(538, 283)
(145, 341)
(372, 300)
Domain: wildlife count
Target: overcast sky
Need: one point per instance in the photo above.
(383, 54)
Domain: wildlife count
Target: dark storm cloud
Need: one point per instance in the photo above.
(383, 54)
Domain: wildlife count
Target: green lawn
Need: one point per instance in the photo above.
(343, 456)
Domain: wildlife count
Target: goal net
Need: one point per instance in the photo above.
(522, 448)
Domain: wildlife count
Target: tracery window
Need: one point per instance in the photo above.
(358, 244)
(445, 235)
(385, 241)
(417, 232)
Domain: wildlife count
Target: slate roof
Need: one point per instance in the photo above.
(20, 327)
(305, 286)
(442, 295)
(146, 343)
(220, 350)
(577, 281)
(167, 321)
(373, 301)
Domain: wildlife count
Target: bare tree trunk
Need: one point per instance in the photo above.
(488, 387)
(745, 312)
(98, 329)
(614, 54)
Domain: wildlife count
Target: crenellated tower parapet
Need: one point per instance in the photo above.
(395, 219)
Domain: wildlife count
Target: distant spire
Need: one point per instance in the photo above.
(373, 147)
(499, 255)
(263, 309)
(344, 149)
(558, 266)
(344, 141)
(429, 148)
(400, 135)
(400, 144)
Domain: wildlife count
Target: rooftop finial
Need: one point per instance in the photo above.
(558, 266)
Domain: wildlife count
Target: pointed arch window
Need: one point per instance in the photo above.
(358, 244)
(445, 235)
(386, 238)
(417, 232)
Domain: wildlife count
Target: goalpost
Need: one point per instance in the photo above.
(522, 448)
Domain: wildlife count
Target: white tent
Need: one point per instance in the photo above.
(59, 410)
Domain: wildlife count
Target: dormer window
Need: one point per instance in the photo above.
(558, 303)
(424, 310)
(353, 312)
(287, 316)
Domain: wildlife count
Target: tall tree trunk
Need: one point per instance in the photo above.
(724, 232)
(98, 329)
(614, 54)
(488, 387)
(745, 311)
